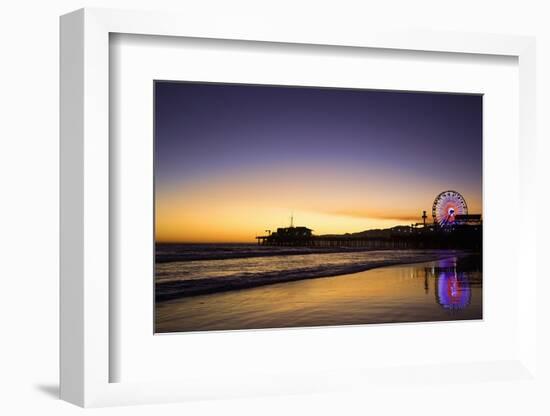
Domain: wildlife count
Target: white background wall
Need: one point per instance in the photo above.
(29, 196)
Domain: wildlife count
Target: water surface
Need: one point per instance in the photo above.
(190, 270)
(447, 289)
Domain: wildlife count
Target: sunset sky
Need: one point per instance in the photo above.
(233, 160)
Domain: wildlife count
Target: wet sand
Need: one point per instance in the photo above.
(432, 291)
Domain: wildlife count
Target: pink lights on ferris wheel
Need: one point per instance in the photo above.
(447, 205)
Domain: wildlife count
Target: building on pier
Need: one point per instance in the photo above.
(291, 236)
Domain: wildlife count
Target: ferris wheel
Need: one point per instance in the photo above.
(447, 205)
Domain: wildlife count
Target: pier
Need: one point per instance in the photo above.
(402, 238)
(452, 228)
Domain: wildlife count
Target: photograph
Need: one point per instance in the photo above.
(285, 206)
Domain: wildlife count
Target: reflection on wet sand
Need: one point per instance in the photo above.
(453, 288)
(386, 295)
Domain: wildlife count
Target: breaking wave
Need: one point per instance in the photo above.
(232, 267)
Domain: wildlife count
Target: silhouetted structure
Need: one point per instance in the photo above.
(401, 237)
(288, 236)
(470, 219)
(456, 231)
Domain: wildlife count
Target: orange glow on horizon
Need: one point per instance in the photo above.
(240, 206)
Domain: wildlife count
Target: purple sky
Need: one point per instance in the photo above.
(206, 128)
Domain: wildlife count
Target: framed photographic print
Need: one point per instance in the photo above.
(270, 211)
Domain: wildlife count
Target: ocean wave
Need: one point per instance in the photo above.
(207, 277)
(166, 253)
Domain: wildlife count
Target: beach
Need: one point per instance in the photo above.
(235, 267)
(356, 288)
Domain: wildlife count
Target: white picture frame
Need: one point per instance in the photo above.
(85, 211)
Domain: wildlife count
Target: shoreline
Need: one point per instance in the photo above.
(189, 288)
(418, 292)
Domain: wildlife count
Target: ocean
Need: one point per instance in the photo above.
(184, 270)
(271, 290)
